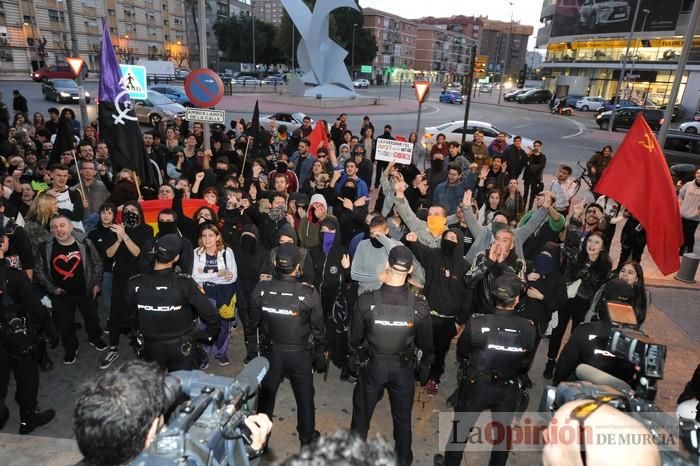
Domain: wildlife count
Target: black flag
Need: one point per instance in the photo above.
(65, 140)
(117, 120)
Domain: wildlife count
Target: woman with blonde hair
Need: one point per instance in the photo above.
(214, 269)
(43, 209)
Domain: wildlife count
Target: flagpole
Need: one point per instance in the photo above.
(136, 182)
(245, 156)
(80, 180)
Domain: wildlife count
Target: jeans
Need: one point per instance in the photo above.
(64, 316)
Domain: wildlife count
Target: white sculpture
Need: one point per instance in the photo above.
(321, 59)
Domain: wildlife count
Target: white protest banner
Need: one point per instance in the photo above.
(394, 151)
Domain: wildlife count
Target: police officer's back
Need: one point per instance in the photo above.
(163, 301)
(291, 323)
(385, 327)
(499, 347)
(22, 318)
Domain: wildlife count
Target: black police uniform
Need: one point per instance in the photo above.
(289, 315)
(386, 324)
(163, 301)
(22, 317)
(499, 347)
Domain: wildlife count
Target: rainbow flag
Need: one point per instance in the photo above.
(152, 208)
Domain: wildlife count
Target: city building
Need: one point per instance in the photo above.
(215, 9)
(396, 44)
(469, 26)
(269, 11)
(499, 39)
(584, 54)
(441, 52)
(35, 33)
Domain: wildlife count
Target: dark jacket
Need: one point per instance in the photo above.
(251, 263)
(307, 269)
(329, 274)
(483, 272)
(91, 263)
(19, 104)
(516, 159)
(445, 289)
(534, 168)
(591, 274)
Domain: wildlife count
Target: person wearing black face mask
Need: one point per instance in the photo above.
(445, 291)
(437, 173)
(167, 225)
(351, 212)
(132, 235)
(253, 254)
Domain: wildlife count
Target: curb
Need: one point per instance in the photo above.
(671, 284)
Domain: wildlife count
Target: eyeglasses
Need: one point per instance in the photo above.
(582, 412)
(591, 212)
(322, 156)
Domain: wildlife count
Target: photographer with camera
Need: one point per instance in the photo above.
(22, 321)
(162, 301)
(288, 315)
(119, 413)
(497, 348)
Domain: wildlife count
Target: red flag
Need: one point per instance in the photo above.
(639, 179)
(318, 135)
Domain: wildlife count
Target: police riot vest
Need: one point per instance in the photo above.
(497, 346)
(163, 309)
(392, 328)
(284, 317)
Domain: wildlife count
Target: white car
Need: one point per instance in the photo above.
(453, 132)
(589, 103)
(692, 127)
(361, 83)
(291, 120)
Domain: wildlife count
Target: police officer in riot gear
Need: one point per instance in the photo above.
(289, 318)
(385, 326)
(22, 318)
(163, 301)
(589, 342)
(499, 347)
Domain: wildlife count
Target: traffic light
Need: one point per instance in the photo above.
(480, 66)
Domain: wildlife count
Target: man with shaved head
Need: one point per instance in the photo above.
(604, 429)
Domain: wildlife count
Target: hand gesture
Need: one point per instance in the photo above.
(504, 166)
(260, 427)
(208, 154)
(331, 146)
(301, 211)
(535, 294)
(361, 201)
(95, 291)
(257, 169)
(547, 203)
(484, 171)
(336, 175)
(118, 229)
(533, 276)
(400, 188)
(199, 176)
(467, 198)
(495, 251)
(345, 261)
(241, 180)
(228, 275)
(578, 209)
(245, 203)
(412, 237)
(347, 203)
(290, 219)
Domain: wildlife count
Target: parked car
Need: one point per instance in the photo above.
(181, 73)
(485, 88)
(451, 97)
(594, 13)
(56, 72)
(541, 96)
(589, 103)
(570, 100)
(608, 105)
(691, 127)
(624, 117)
(674, 114)
(62, 90)
(273, 81)
(156, 107)
(453, 132)
(174, 93)
(682, 148)
(291, 120)
(360, 84)
(246, 81)
(511, 95)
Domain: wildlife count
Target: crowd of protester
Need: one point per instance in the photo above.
(468, 213)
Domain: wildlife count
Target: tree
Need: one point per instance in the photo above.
(234, 36)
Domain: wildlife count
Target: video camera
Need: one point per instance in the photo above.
(206, 422)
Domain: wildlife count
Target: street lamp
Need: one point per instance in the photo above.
(505, 60)
(352, 54)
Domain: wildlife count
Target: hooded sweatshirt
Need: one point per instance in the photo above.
(309, 226)
(251, 256)
(307, 268)
(444, 287)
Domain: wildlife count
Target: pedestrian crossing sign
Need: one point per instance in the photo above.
(134, 81)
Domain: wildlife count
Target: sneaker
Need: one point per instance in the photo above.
(34, 420)
(432, 387)
(223, 360)
(204, 365)
(99, 344)
(344, 374)
(70, 357)
(438, 460)
(112, 355)
(549, 368)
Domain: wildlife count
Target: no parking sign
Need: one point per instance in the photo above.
(204, 87)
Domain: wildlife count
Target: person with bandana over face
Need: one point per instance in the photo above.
(132, 235)
(270, 223)
(446, 293)
(350, 211)
(167, 225)
(484, 234)
(331, 262)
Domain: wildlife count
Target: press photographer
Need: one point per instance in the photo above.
(120, 414)
(24, 323)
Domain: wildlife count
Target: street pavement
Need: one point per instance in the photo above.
(672, 320)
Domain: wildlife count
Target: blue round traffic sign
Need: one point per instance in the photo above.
(204, 87)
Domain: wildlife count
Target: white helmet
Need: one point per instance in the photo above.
(687, 410)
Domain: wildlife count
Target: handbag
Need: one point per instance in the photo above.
(572, 288)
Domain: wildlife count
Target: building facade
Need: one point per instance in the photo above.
(505, 44)
(585, 58)
(215, 9)
(269, 11)
(35, 33)
(442, 51)
(396, 44)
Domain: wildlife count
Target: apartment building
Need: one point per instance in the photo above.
(495, 38)
(269, 11)
(441, 50)
(35, 33)
(396, 41)
(215, 9)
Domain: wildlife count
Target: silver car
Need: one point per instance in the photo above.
(594, 13)
(152, 110)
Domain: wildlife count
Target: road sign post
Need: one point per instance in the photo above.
(203, 115)
(472, 68)
(135, 81)
(422, 89)
(76, 64)
(205, 89)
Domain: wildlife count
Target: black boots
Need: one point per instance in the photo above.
(549, 368)
(36, 419)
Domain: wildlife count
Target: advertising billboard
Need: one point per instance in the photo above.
(576, 17)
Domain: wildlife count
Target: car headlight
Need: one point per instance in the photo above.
(64, 94)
